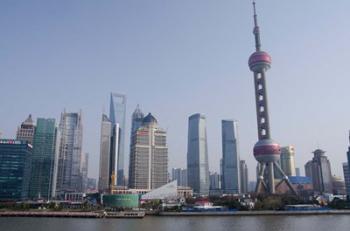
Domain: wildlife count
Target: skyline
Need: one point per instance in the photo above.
(162, 56)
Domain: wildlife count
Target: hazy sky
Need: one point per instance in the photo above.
(176, 58)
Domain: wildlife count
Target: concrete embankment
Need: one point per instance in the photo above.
(49, 214)
(258, 213)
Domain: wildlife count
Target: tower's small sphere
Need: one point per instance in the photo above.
(267, 151)
(259, 61)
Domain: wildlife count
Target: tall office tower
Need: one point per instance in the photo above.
(69, 153)
(179, 174)
(42, 181)
(84, 171)
(244, 176)
(15, 168)
(346, 171)
(197, 155)
(230, 157)
(136, 120)
(297, 172)
(288, 160)
(117, 116)
(149, 156)
(266, 151)
(108, 143)
(26, 131)
(215, 181)
(319, 170)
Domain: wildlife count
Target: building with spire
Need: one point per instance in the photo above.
(117, 112)
(266, 151)
(149, 156)
(197, 155)
(26, 131)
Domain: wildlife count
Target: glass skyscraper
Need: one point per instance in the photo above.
(15, 168)
(197, 155)
(117, 112)
(42, 182)
(69, 153)
(288, 160)
(230, 157)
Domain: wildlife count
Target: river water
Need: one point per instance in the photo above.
(256, 223)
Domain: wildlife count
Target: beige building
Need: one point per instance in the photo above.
(288, 160)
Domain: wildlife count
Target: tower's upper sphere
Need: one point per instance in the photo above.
(267, 151)
(259, 61)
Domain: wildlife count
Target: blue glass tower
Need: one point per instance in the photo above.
(117, 116)
(15, 168)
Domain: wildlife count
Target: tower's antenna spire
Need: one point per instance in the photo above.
(256, 30)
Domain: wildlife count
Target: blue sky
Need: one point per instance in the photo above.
(176, 58)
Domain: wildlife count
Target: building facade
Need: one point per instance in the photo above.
(42, 181)
(244, 176)
(108, 143)
(319, 170)
(149, 156)
(215, 181)
(84, 171)
(117, 112)
(180, 175)
(69, 153)
(347, 178)
(288, 160)
(15, 169)
(197, 155)
(230, 157)
(26, 131)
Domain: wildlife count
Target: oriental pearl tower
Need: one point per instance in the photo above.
(266, 151)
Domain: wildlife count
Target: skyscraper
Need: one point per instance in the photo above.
(266, 151)
(230, 157)
(215, 182)
(319, 170)
(107, 155)
(346, 171)
(70, 153)
(244, 176)
(84, 171)
(42, 181)
(136, 120)
(117, 112)
(149, 156)
(288, 160)
(15, 168)
(26, 131)
(197, 155)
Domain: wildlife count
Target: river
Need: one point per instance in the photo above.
(150, 223)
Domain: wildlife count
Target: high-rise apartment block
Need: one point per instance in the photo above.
(197, 155)
(117, 112)
(149, 156)
(42, 181)
(26, 131)
(288, 160)
(243, 176)
(319, 170)
(230, 158)
(15, 169)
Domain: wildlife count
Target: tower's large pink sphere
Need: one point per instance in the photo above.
(259, 61)
(267, 151)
